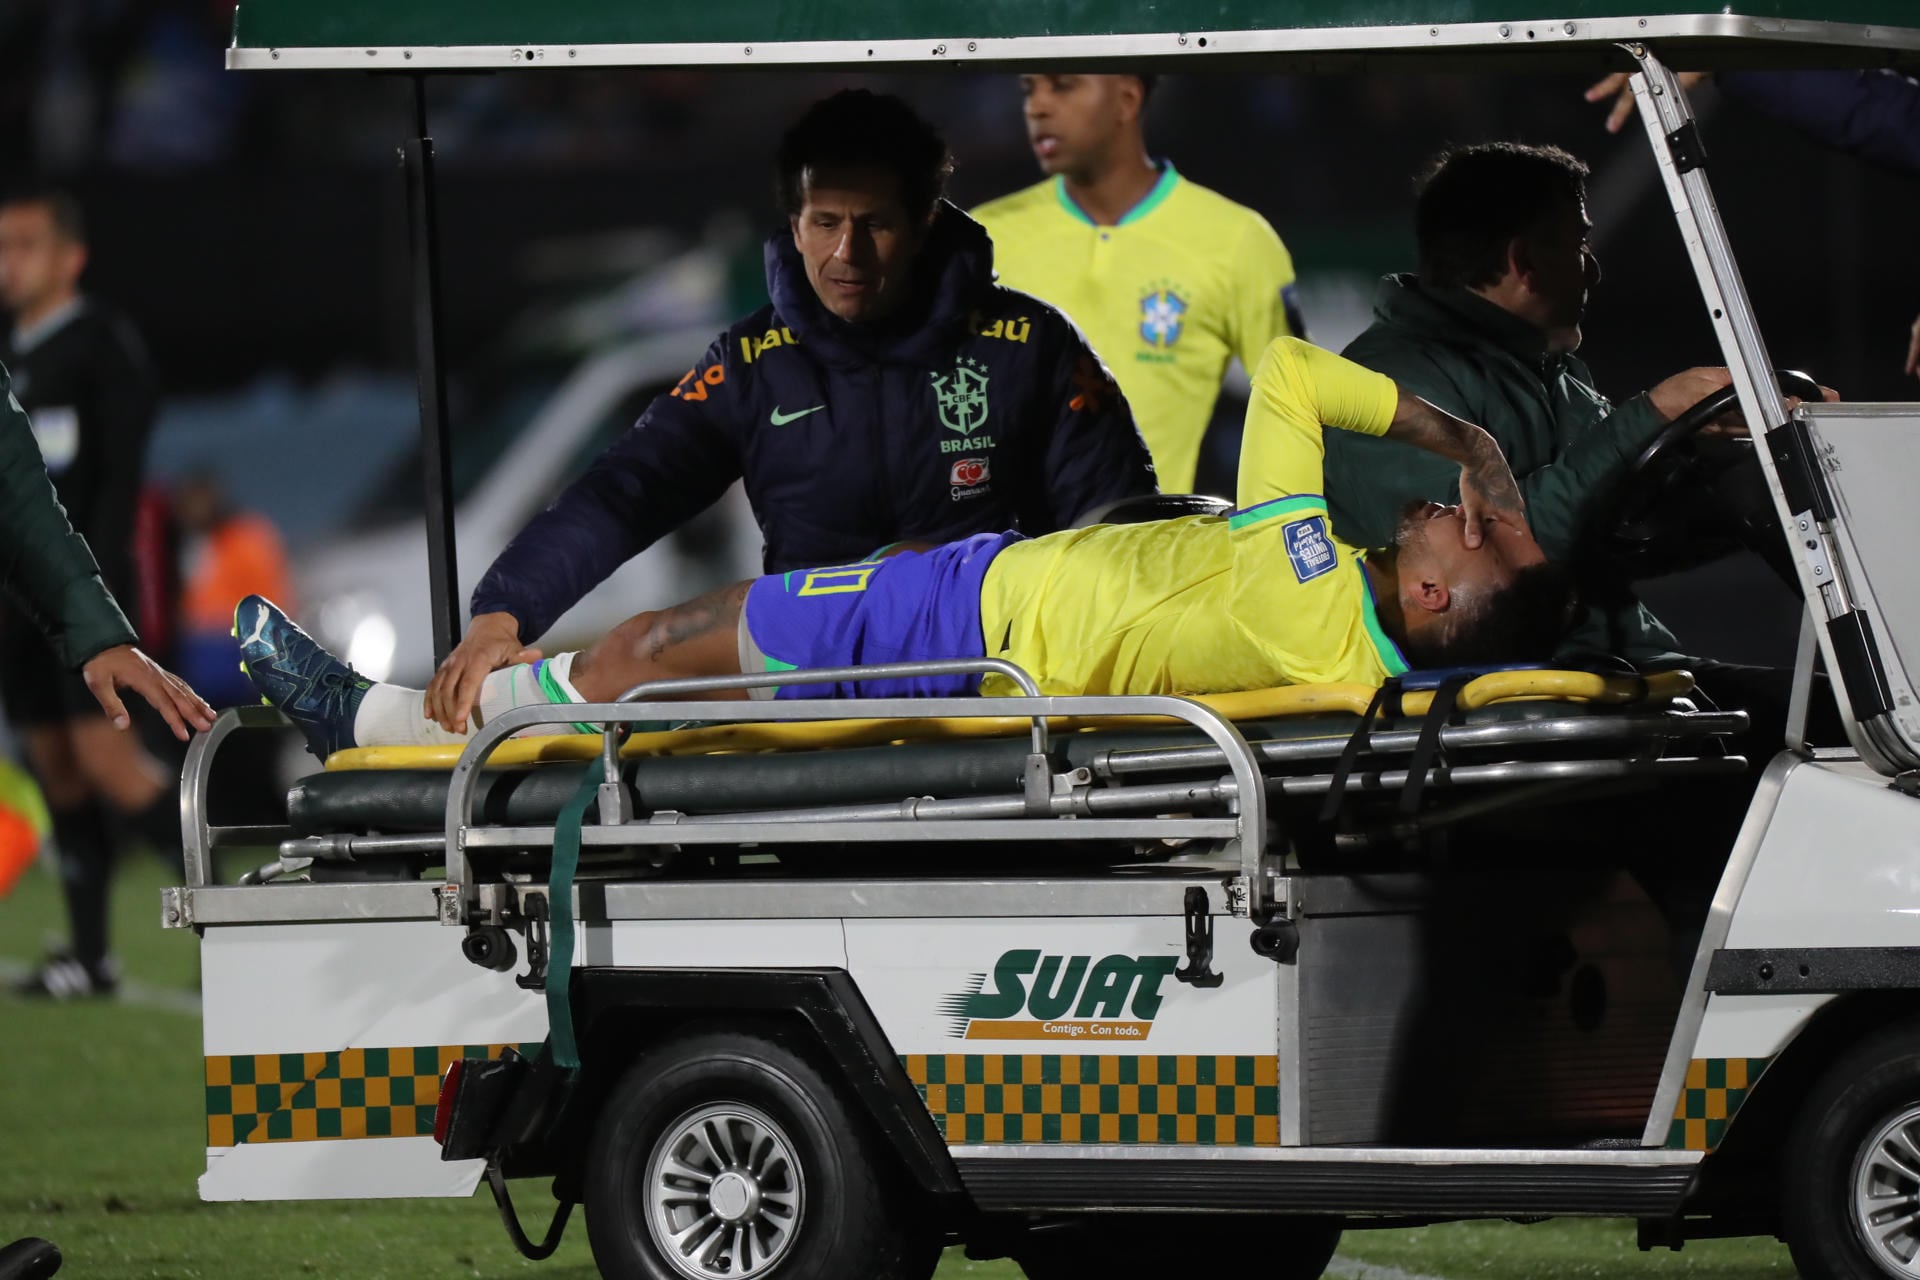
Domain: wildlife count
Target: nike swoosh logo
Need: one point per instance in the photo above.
(782, 419)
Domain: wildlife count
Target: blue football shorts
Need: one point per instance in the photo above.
(915, 606)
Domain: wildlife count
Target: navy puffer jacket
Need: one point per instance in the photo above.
(979, 409)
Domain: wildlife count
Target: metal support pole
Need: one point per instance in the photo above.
(436, 446)
(1802, 696)
(1681, 158)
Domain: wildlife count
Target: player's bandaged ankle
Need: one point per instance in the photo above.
(390, 715)
(530, 684)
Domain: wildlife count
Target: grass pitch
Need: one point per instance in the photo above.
(102, 1137)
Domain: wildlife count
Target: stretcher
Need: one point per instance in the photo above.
(1102, 784)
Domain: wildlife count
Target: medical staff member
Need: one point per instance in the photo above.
(1167, 279)
(892, 390)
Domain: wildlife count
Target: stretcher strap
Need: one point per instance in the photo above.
(1426, 748)
(562, 1050)
(1386, 704)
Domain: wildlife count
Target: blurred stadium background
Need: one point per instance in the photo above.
(254, 227)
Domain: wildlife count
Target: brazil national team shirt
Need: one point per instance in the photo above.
(1266, 596)
(1187, 280)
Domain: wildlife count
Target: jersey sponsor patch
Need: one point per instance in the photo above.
(970, 471)
(1309, 548)
(694, 383)
(968, 478)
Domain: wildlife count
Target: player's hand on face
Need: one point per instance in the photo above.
(125, 667)
(492, 642)
(1488, 491)
(1913, 352)
(1617, 87)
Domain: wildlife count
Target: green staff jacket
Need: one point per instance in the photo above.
(1567, 443)
(45, 567)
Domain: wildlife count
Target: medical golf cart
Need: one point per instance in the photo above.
(1110, 985)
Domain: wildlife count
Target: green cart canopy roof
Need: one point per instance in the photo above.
(414, 35)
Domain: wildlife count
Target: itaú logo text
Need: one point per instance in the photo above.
(1031, 996)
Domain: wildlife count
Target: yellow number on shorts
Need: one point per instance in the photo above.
(828, 582)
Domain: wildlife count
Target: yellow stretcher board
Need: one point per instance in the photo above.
(1580, 687)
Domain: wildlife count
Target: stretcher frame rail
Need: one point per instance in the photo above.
(1125, 812)
(1244, 831)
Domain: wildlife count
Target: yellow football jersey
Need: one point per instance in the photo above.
(1187, 280)
(1265, 596)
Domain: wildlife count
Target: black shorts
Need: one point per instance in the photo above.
(36, 687)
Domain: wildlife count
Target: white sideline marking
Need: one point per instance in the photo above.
(1348, 1269)
(171, 999)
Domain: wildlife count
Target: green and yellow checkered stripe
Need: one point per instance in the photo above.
(1714, 1090)
(317, 1097)
(1161, 1099)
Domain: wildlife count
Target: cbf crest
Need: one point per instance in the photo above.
(962, 396)
(1162, 317)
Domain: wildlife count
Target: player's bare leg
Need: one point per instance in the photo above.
(698, 638)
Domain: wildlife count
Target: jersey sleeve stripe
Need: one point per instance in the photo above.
(1293, 504)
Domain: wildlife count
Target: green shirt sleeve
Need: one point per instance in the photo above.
(45, 567)
(1370, 481)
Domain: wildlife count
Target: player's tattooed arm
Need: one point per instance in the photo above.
(1487, 487)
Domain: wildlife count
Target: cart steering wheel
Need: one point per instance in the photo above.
(1685, 501)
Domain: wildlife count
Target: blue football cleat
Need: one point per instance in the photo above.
(310, 686)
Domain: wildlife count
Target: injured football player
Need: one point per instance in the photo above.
(1266, 595)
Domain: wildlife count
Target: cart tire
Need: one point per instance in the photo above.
(740, 1146)
(1853, 1158)
(1156, 1246)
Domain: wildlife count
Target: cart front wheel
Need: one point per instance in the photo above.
(730, 1157)
(1851, 1194)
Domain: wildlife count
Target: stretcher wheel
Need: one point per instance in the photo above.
(490, 947)
(1850, 1202)
(1277, 940)
(726, 1156)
